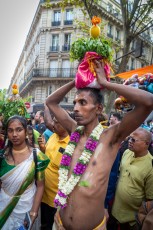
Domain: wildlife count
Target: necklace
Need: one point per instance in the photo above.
(66, 186)
(20, 151)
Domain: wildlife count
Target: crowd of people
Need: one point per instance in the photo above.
(79, 170)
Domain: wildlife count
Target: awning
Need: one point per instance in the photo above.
(140, 72)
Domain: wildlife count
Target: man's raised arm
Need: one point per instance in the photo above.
(142, 100)
(61, 115)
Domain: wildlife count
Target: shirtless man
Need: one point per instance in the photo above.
(85, 204)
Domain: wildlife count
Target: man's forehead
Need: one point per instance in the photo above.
(83, 95)
(137, 132)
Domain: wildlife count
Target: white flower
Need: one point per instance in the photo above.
(67, 185)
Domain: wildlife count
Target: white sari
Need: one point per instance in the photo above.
(11, 185)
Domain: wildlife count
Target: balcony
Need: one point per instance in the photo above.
(68, 22)
(54, 48)
(48, 74)
(56, 23)
(109, 35)
(55, 72)
(66, 47)
(118, 39)
(117, 63)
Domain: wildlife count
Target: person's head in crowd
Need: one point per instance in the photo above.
(58, 128)
(30, 134)
(36, 117)
(16, 132)
(115, 118)
(139, 141)
(103, 119)
(85, 102)
(41, 117)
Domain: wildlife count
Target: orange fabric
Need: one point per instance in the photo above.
(140, 72)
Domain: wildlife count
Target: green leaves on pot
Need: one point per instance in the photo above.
(83, 45)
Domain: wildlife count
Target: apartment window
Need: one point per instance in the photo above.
(110, 8)
(109, 31)
(132, 63)
(144, 51)
(66, 68)
(69, 14)
(69, 17)
(116, 12)
(142, 64)
(57, 18)
(49, 90)
(55, 42)
(132, 45)
(118, 35)
(67, 42)
(54, 71)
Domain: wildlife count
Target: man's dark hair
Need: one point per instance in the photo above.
(41, 113)
(117, 115)
(94, 93)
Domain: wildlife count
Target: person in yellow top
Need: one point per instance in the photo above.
(55, 146)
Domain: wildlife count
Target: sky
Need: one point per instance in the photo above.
(15, 20)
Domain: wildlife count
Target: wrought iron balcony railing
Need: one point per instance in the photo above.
(56, 23)
(109, 35)
(66, 48)
(55, 72)
(68, 22)
(54, 48)
(49, 73)
(117, 39)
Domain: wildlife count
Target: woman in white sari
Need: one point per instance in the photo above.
(22, 178)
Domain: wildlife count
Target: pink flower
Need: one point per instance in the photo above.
(79, 168)
(75, 137)
(66, 160)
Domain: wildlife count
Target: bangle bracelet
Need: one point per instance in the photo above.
(33, 214)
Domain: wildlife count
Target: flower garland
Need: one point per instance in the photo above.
(66, 186)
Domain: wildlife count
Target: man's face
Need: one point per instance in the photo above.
(113, 120)
(85, 109)
(37, 116)
(58, 129)
(137, 142)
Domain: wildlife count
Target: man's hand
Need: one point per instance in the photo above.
(41, 143)
(57, 222)
(101, 75)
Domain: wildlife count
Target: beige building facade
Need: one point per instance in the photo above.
(44, 63)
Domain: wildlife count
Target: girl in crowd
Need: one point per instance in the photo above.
(35, 138)
(21, 175)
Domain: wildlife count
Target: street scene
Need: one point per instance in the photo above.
(76, 116)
